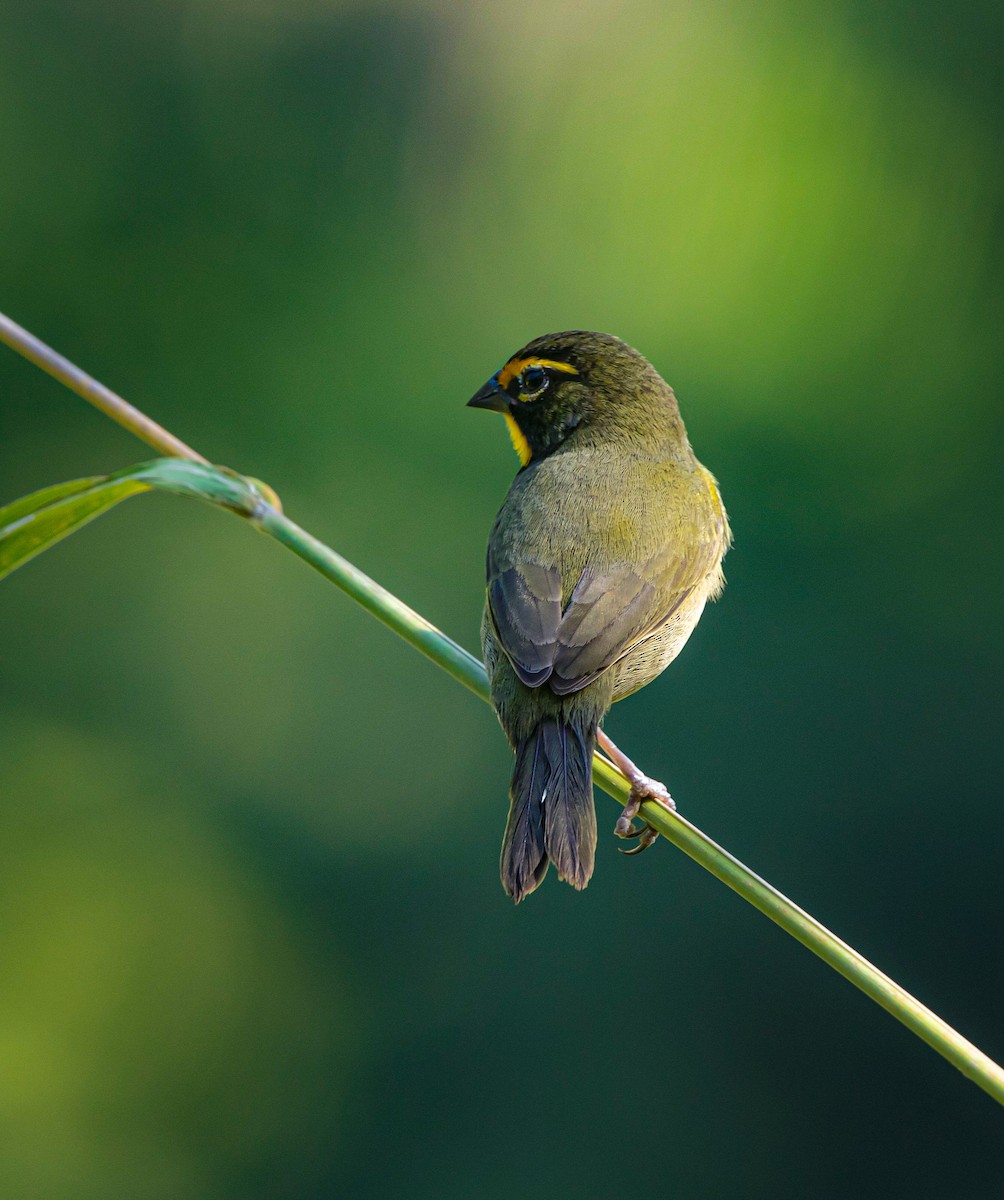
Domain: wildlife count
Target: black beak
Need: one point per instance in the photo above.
(491, 397)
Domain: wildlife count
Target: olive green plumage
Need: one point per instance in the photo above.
(601, 559)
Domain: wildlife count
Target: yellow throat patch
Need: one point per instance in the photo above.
(519, 442)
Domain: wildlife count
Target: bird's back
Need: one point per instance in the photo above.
(651, 525)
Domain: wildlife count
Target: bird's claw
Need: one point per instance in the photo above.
(624, 827)
(642, 788)
(645, 838)
(633, 832)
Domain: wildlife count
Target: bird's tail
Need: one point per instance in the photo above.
(551, 813)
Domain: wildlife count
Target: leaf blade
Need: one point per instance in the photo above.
(35, 522)
(46, 517)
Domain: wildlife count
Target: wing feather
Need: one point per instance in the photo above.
(525, 603)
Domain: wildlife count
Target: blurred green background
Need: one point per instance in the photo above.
(301, 234)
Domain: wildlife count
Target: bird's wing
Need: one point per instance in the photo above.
(524, 600)
(608, 612)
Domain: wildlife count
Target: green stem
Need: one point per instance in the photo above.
(383, 605)
(95, 393)
(465, 668)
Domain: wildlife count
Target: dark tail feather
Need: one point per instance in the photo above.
(569, 812)
(551, 812)
(523, 863)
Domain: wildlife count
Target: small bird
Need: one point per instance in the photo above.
(606, 548)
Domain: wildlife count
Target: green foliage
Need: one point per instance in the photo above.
(34, 523)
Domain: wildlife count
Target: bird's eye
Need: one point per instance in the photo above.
(532, 382)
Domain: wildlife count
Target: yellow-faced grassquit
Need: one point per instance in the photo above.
(601, 559)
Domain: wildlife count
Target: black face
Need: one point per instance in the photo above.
(543, 398)
(547, 405)
(563, 382)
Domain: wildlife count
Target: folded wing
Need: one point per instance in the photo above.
(608, 612)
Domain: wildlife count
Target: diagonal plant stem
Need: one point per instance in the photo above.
(465, 668)
(96, 393)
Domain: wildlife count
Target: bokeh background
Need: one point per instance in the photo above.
(251, 933)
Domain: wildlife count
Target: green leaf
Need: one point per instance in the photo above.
(42, 519)
(29, 504)
(32, 524)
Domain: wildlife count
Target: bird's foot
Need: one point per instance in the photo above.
(642, 788)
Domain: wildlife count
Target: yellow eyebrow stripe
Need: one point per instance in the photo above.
(515, 366)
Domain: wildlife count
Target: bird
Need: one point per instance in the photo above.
(599, 564)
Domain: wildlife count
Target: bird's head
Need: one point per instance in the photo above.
(580, 385)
